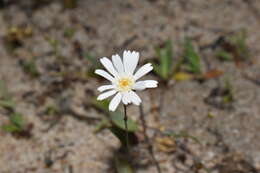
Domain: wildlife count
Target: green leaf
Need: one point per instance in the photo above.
(117, 119)
(157, 69)
(223, 55)
(192, 57)
(228, 92)
(182, 135)
(30, 68)
(122, 165)
(102, 105)
(239, 41)
(241, 44)
(11, 128)
(68, 32)
(164, 53)
(92, 60)
(16, 123)
(9, 104)
(51, 110)
(121, 135)
(101, 125)
(17, 120)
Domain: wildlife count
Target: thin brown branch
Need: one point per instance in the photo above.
(147, 140)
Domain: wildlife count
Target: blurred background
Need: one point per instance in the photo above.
(203, 117)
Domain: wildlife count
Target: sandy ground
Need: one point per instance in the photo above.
(229, 140)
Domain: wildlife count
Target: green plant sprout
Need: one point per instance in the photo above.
(191, 58)
(228, 95)
(234, 47)
(54, 44)
(69, 32)
(224, 55)
(182, 134)
(186, 67)
(29, 67)
(15, 125)
(239, 41)
(164, 67)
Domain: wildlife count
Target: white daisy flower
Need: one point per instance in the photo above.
(123, 79)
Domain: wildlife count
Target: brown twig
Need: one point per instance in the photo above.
(147, 140)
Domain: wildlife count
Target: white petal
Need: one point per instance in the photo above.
(130, 61)
(118, 63)
(126, 58)
(105, 87)
(109, 66)
(126, 98)
(135, 98)
(106, 95)
(151, 83)
(140, 85)
(115, 102)
(104, 74)
(143, 71)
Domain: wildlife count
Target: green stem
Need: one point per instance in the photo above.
(126, 128)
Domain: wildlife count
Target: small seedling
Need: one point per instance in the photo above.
(54, 44)
(164, 66)
(68, 32)
(51, 110)
(224, 55)
(191, 58)
(16, 123)
(30, 68)
(233, 47)
(227, 92)
(222, 96)
(239, 41)
(17, 126)
(7, 103)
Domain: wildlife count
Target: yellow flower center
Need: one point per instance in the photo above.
(125, 84)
